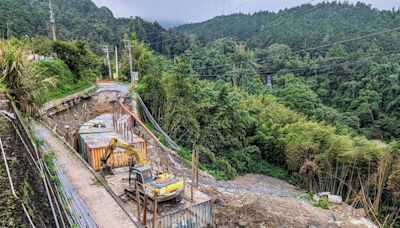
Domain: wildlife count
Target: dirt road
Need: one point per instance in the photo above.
(104, 209)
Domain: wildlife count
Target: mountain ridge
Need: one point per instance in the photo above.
(82, 19)
(325, 22)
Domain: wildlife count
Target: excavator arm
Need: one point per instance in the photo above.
(128, 150)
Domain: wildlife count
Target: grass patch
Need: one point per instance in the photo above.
(67, 82)
(3, 87)
(48, 158)
(322, 203)
(38, 142)
(26, 190)
(96, 182)
(217, 174)
(64, 91)
(185, 154)
(2, 124)
(309, 196)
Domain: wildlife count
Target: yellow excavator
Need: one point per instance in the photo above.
(141, 178)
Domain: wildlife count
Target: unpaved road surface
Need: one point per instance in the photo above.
(103, 208)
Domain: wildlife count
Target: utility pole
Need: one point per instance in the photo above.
(106, 51)
(130, 58)
(52, 22)
(116, 62)
(129, 46)
(8, 30)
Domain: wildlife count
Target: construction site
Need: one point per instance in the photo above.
(79, 130)
(88, 136)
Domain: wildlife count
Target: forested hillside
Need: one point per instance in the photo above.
(334, 62)
(239, 126)
(82, 19)
(302, 27)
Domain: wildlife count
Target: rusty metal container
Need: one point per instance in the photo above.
(93, 142)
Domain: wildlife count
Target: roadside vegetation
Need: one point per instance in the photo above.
(66, 84)
(61, 69)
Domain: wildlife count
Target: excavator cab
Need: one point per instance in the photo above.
(140, 174)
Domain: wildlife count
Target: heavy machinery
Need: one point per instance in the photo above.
(141, 178)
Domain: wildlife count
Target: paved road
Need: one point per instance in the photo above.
(112, 86)
(104, 209)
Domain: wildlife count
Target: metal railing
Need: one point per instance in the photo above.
(198, 215)
(22, 134)
(81, 215)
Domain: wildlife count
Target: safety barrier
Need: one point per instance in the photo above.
(198, 215)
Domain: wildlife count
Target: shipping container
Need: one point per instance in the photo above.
(93, 142)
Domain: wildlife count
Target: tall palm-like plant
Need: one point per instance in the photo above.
(24, 81)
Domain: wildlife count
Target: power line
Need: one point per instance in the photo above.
(240, 6)
(293, 70)
(312, 48)
(263, 60)
(269, 25)
(351, 39)
(271, 22)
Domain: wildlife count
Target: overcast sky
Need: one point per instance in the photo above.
(185, 11)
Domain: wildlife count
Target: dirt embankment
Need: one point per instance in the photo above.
(261, 201)
(68, 122)
(26, 181)
(247, 201)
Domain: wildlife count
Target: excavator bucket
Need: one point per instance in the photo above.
(106, 170)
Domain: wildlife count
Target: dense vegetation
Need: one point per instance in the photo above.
(358, 90)
(354, 83)
(303, 26)
(82, 19)
(33, 83)
(300, 115)
(238, 132)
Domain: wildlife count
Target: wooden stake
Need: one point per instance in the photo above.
(155, 212)
(113, 119)
(197, 169)
(138, 200)
(193, 174)
(145, 210)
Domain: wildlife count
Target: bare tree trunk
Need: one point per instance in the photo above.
(269, 80)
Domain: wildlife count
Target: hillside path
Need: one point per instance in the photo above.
(103, 208)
